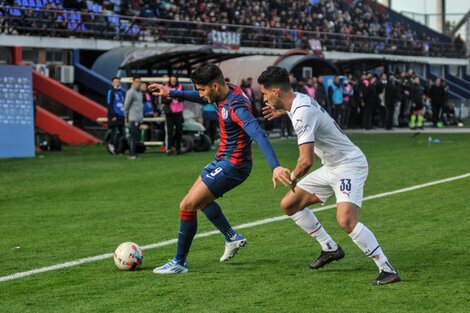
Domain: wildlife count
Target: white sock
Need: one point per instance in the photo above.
(366, 241)
(306, 220)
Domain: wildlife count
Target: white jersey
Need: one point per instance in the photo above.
(313, 124)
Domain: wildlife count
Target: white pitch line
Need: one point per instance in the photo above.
(210, 233)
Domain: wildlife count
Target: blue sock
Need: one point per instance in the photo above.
(214, 214)
(188, 228)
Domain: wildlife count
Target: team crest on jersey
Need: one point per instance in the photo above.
(224, 113)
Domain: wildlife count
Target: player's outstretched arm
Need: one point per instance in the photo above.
(189, 95)
(270, 113)
(243, 117)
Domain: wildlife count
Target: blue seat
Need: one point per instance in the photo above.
(72, 25)
(135, 29)
(14, 12)
(74, 20)
(73, 16)
(32, 3)
(113, 19)
(97, 8)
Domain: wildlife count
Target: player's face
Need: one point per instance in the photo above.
(210, 92)
(271, 97)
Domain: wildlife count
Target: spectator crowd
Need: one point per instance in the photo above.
(359, 25)
(369, 101)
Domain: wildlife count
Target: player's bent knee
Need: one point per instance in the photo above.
(288, 205)
(285, 205)
(187, 205)
(347, 223)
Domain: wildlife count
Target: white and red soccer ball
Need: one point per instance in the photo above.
(128, 256)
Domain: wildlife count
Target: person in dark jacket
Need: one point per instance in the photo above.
(115, 104)
(357, 104)
(437, 94)
(391, 98)
(174, 118)
(369, 94)
(417, 104)
(320, 94)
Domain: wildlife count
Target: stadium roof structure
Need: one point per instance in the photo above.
(180, 57)
(319, 65)
(362, 64)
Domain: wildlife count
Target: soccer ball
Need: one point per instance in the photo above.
(128, 256)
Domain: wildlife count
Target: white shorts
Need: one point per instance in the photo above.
(346, 182)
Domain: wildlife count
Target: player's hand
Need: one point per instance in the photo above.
(282, 175)
(270, 113)
(294, 180)
(158, 90)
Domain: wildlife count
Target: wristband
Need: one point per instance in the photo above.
(293, 178)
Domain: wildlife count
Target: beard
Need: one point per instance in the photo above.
(213, 97)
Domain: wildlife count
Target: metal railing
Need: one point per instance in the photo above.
(63, 23)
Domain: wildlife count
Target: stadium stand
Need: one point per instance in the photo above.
(351, 26)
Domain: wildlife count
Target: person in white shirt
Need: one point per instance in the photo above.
(343, 173)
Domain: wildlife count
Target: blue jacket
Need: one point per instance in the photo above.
(336, 93)
(115, 105)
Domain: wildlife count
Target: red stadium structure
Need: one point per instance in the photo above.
(54, 90)
(67, 133)
(66, 96)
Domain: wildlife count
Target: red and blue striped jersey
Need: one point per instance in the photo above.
(234, 113)
(237, 126)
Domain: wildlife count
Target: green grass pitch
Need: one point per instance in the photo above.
(82, 202)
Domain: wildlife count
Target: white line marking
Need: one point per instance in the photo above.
(210, 233)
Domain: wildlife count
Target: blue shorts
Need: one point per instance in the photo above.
(221, 176)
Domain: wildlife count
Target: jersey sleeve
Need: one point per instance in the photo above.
(241, 115)
(188, 95)
(304, 121)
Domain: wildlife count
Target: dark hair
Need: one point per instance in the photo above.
(206, 74)
(115, 77)
(135, 78)
(275, 76)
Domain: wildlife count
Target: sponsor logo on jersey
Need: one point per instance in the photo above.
(224, 113)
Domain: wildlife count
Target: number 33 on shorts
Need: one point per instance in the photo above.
(345, 186)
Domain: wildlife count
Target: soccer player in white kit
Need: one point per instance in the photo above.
(343, 173)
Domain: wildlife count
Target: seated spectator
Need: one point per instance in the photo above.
(448, 115)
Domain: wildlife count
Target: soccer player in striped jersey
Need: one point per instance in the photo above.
(343, 174)
(232, 164)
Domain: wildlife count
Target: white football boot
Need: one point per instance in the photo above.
(232, 247)
(172, 267)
